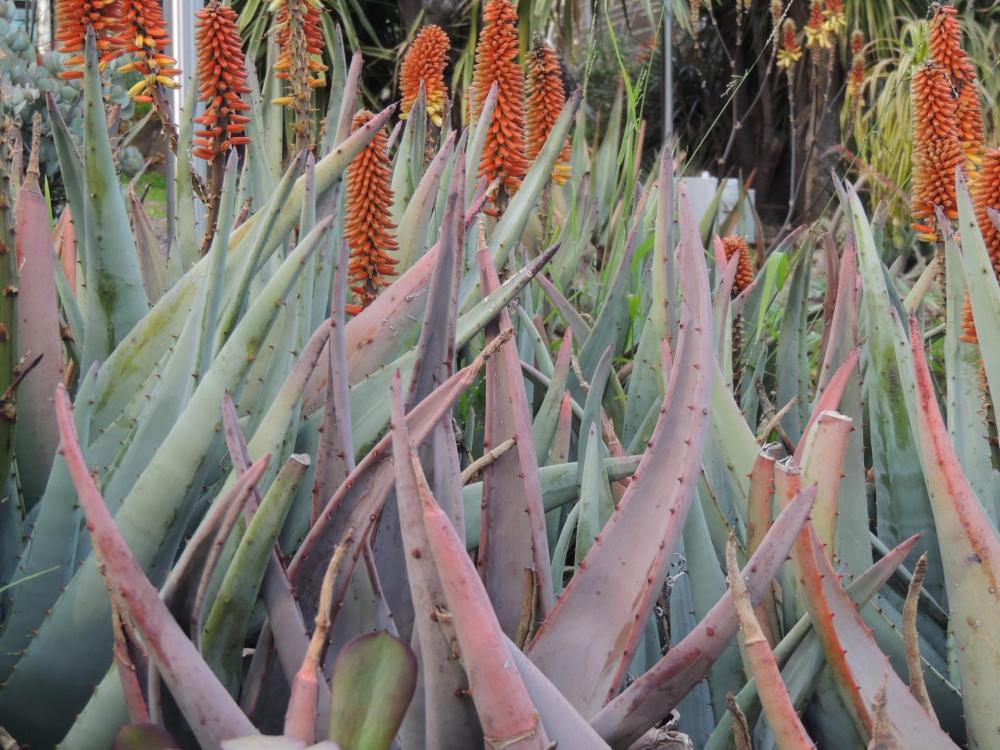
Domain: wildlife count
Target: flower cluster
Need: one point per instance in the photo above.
(73, 19)
(144, 36)
(546, 99)
(834, 19)
(221, 82)
(817, 29)
(368, 228)
(856, 76)
(946, 50)
(424, 63)
(497, 62)
(790, 51)
(936, 148)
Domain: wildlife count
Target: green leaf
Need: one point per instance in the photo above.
(374, 677)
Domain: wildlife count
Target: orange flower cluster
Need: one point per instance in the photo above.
(736, 245)
(73, 18)
(424, 63)
(817, 29)
(986, 196)
(221, 81)
(790, 52)
(497, 62)
(834, 19)
(368, 228)
(546, 99)
(300, 45)
(856, 78)
(946, 50)
(936, 148)
(143, 33)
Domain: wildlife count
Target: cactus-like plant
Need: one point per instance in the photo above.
(239, 517)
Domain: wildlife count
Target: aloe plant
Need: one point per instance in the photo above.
(478, 481)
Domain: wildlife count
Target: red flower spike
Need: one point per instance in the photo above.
(424, 63)
(221, 82)
(546, 99)
(300, 52)
(497, 62)
(369, 228)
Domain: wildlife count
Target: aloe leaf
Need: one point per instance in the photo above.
(225, 628)
(210, 712)
(984, 290)
(565, 727)
(96, 724)
(591, 511)
(433, 363)
(409, 162)
(792, 364)
(560, 485)
(512, 535)
(573, 319)
(115, 299)
(448, 720)
(480, 130)
(967, 427)
(358, 500)
(640, 705)
(372, 684)
(505, 709)
(645, 383)
(859, 667)
(131, 364)
(762, 666)
(152, 264)
(970, 547)
(902, 504)
(47, 561)
(38, 336)
(669, 467)
(190, 359)
(184, 247)
(76, 638)
(800, 653)
(263, 177)
(543, 427)
(415, 219)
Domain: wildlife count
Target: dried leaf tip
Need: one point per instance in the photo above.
(221, 82)
(424, 63)
(497, 62)
(546, 99)
(368, 227)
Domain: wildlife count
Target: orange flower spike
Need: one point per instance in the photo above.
(946, 50)
(857, 42)
(497, 62)
(73, 18)
(936, 148)
(424, 63)
(369, 228)
(221, 82)
(735, 245)
(856, 77)
(834, 19)
(546, 99)
(143, 35)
